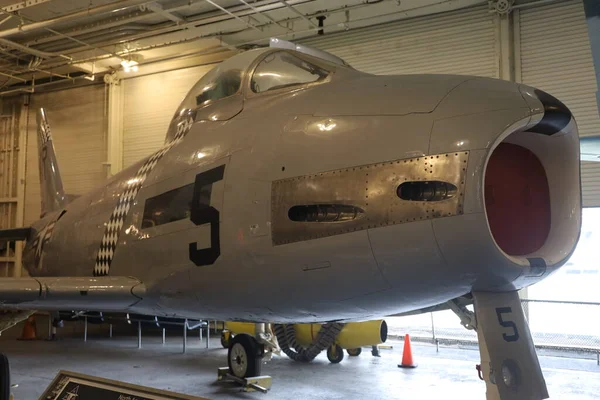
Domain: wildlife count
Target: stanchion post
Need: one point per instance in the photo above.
(139, 334)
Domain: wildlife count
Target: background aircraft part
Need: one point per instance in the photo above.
(353, 335)
(10, 319)
(244, 356)
(373, 189)
(286, 336)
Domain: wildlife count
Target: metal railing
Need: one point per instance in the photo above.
(560, 325)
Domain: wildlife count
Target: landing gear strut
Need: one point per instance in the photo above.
(245, 356)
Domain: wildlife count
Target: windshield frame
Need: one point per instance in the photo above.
(323, 64)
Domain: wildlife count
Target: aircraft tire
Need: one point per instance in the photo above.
(244, 356)
(354, 352)
(4, 378)
(226, 337)
(335, 354)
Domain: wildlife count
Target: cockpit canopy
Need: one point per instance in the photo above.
(276, 70)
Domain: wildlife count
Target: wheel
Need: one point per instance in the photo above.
(245, 356)
(226, 337)
(4, 378)
(335, 354)
(354, 352)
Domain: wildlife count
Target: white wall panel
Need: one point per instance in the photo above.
(556, 57)
(149, 104)
(458, 42)
(78, 123)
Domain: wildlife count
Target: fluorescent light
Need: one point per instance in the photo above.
(129, 65)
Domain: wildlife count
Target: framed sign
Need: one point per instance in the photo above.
(74, 386)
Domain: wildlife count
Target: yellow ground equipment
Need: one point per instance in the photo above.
(352, 336)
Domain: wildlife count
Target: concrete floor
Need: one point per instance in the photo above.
(449, 374)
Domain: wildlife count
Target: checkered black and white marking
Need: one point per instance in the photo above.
(110, 238)
(44, 131)
(40, 241)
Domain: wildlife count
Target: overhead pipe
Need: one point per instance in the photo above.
(29, 50)
(239, 11)
(110, 7)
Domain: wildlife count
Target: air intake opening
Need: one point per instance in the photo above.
(517, 200)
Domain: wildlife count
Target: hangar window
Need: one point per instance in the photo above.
(281, 69)
(167, 207)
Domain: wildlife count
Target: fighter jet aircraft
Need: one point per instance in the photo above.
(292, 188)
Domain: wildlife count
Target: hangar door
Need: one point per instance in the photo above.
(149, 103)
(457, 42)
(78, 122)
(556, 57)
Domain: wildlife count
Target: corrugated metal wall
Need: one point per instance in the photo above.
(458, 42)
(556, 57)
(149, 104)
(78, 121)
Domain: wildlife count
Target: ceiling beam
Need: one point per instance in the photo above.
(21, 5)
(158, 9)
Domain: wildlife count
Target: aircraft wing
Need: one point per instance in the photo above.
(106, 293)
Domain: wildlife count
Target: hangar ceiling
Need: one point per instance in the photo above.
(43, 42)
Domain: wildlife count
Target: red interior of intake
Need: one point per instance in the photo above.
(517, 200)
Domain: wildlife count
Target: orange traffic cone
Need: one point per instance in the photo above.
(407, 358)
(29, 332)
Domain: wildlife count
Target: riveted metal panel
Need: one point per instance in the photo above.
(371, 188)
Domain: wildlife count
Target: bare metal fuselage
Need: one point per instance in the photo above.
(351, 140)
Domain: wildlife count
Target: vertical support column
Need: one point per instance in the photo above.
(200, 330)
(207, 334)
(184, 335)
(139, 334)
(432, 328)
(114, 138)
(85, 328)
(21, 166)
(163, 335)
(592, 15)
(110, 331)
(49, 326)
(505, 54)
